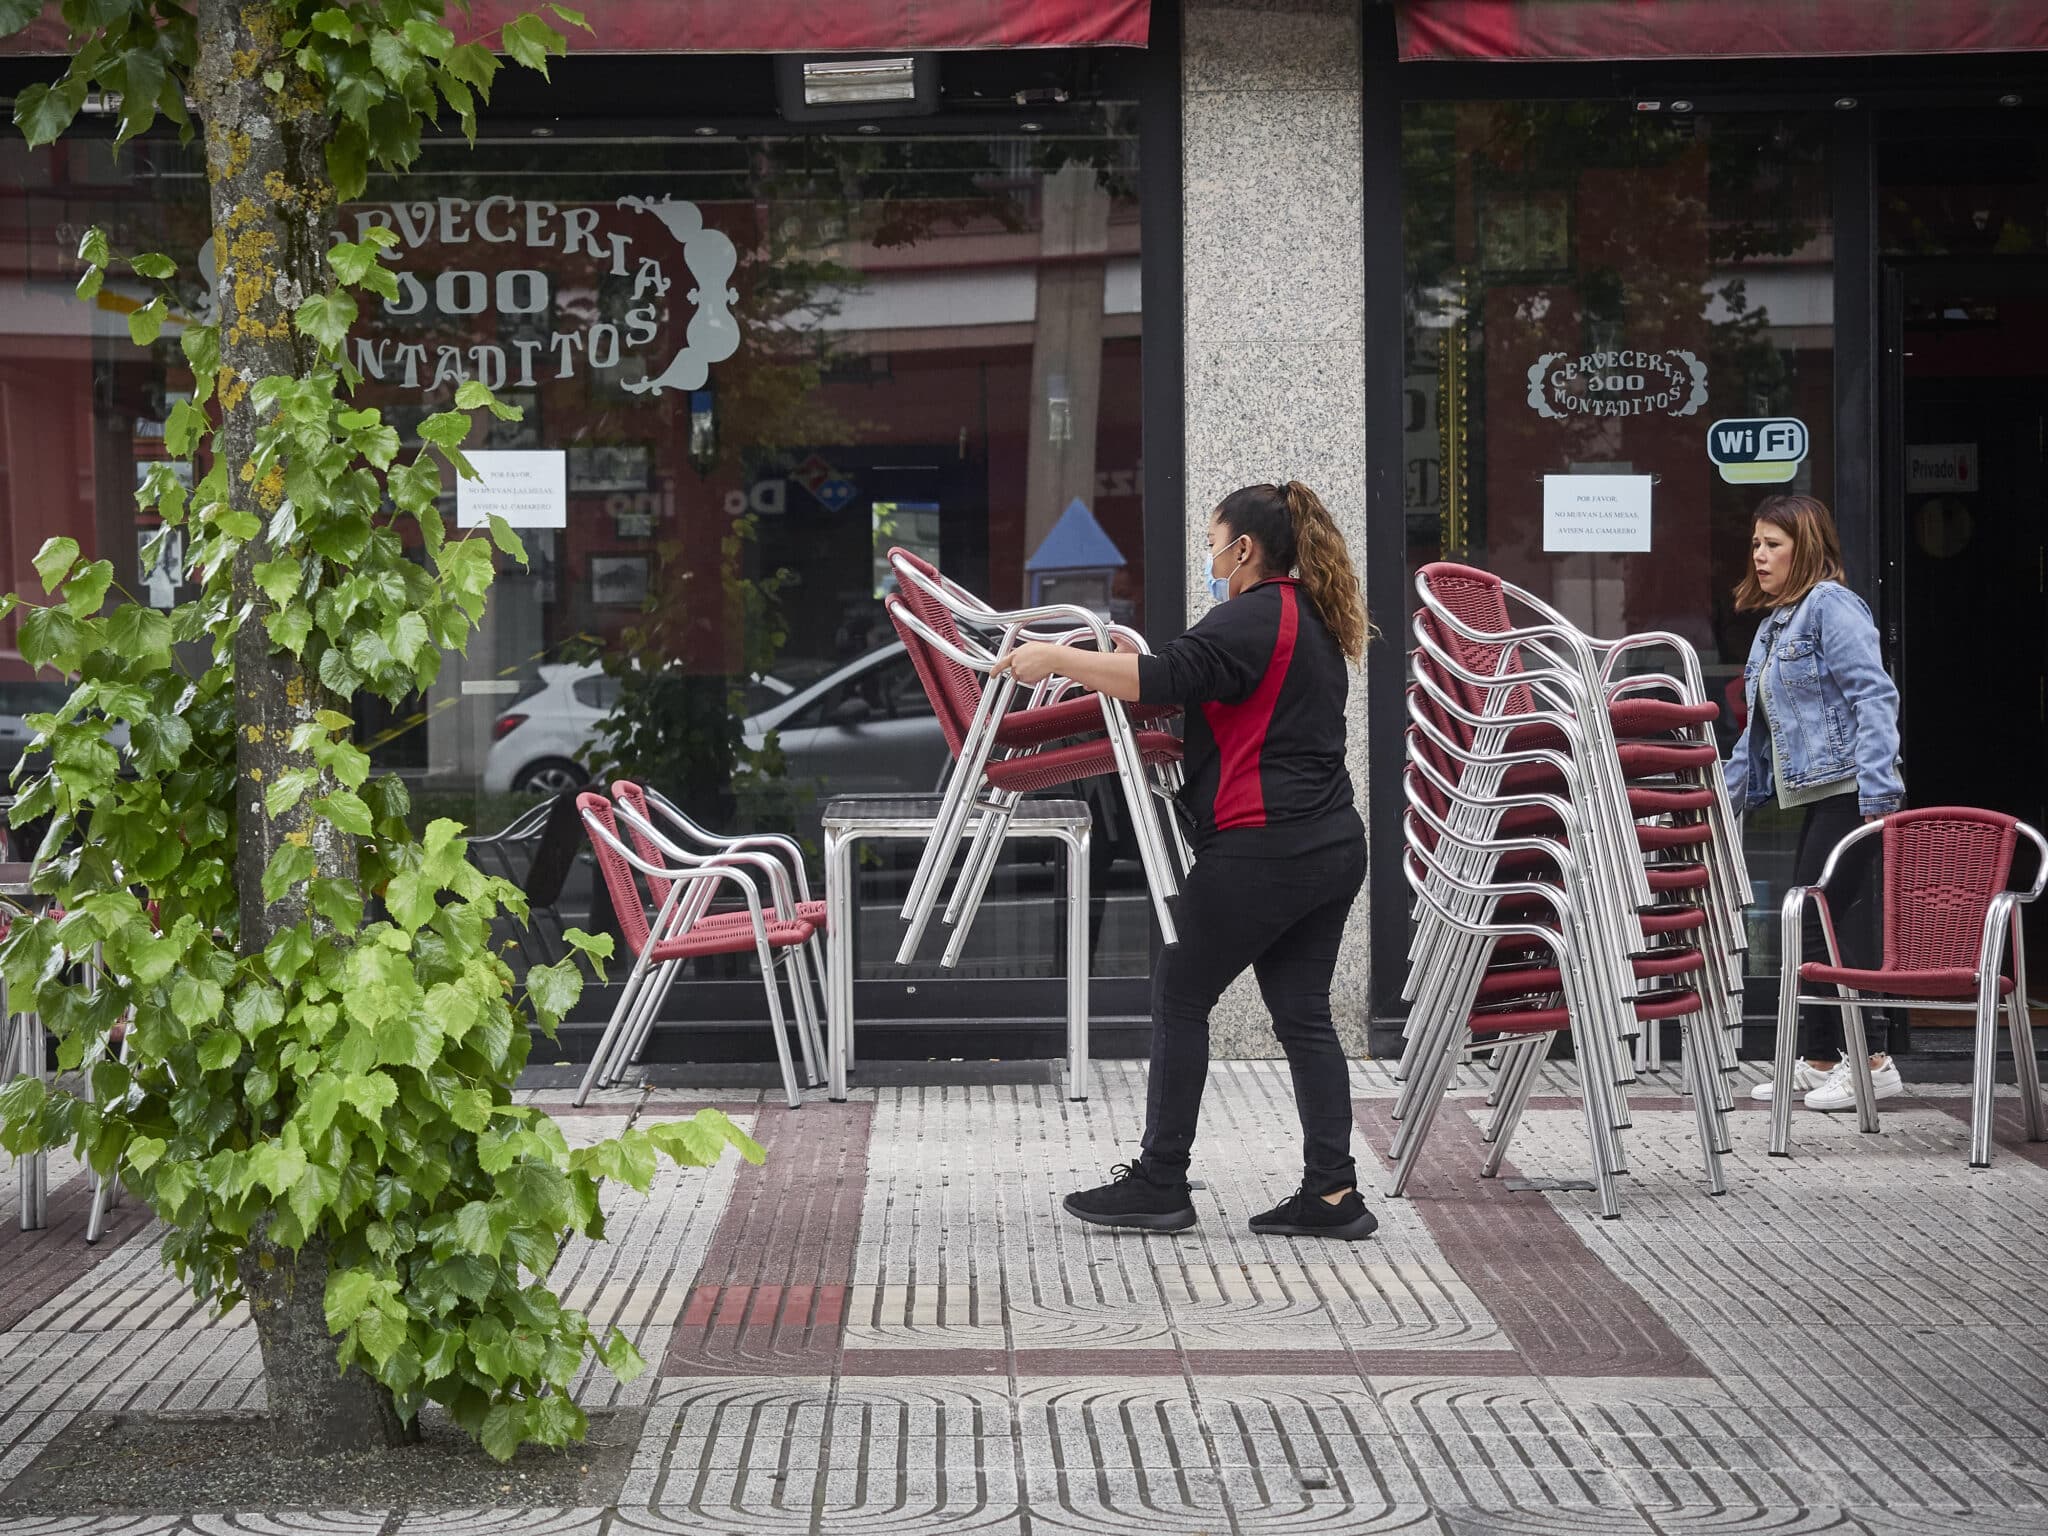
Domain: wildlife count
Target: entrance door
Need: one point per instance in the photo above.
(1968, 534)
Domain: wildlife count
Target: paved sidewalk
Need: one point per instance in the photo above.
(890, 1328)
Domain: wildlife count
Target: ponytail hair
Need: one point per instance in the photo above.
(1295, 532)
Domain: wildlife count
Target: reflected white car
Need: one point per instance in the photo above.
(539, 745)
(866, 729)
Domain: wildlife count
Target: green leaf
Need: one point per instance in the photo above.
(54, 560)
(529, 41)
(445, 429)
(369, 1093)
(144, 1152)
(339, 902)
(16, 14)
(87, 588)
(348, 1293)
(278, 578)
(154, 264)
(574, 18)
(273, 79)
(288, 789)
(470, 1108)
(429, 39)
(504, 1429)
(159, 742)
(291, 627)
(291, 864)
(89, 285)
(147, 323)
(472, 63)
(411, 898)
(326, 317)
(93, 249)
(345, 808)
(50, 637)
(620, 1357)
(183, 428)
(220, 1049)
(201, 345)
(537, 1191)
(335, 23)
(393, 55)
(554, 988)
(506, 540)
(196, 1003)
(43, 112)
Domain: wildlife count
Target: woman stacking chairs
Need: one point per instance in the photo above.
(1001, 753)
(1571, 854)
(683, 887)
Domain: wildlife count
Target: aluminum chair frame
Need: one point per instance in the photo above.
(1455, 986)
(1432, 731)
(806, 994)
(2003, 932)
(772, 843)
(1597, 1095)
(963, 793)
(804, 991)
(1724, 911)
(649, 981)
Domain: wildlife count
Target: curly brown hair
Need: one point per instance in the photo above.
(1294, 531)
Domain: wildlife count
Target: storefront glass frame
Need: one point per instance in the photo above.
(1857, 93)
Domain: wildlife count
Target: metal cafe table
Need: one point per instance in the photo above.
(854, 819)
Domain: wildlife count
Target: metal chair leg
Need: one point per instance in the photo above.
(2026, 1066)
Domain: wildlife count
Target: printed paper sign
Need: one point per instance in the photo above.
(1941, 467)
(1758, 450)
(1607, 514)
(528, 487)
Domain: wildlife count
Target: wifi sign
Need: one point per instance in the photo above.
(1762, 450)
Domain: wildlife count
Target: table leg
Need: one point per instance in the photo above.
(34, 1165)
(1077, 963)
(839, 961)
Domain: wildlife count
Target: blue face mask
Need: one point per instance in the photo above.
(1219, 586)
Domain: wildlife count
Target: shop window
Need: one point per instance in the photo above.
(1590, 290)
(746, 368)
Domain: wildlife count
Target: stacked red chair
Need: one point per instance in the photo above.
(1572, 852)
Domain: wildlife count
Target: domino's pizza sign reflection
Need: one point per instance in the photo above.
(566, 290)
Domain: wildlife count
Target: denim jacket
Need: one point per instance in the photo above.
(1833, 710)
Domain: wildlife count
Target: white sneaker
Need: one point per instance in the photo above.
(1805, 1078)
(1839, 1091)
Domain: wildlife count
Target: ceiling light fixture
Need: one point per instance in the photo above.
(839, 82)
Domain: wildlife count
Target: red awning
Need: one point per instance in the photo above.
(1707, 29)
(793, 26)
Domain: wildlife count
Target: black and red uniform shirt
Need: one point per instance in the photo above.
(1264, 682)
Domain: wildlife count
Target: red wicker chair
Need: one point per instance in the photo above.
(1952, 940)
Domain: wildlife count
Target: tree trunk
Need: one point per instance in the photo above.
(273, 203)
(312, 1406)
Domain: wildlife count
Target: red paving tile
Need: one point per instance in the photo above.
(1565, 1312)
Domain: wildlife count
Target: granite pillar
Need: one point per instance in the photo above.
(1275, 323)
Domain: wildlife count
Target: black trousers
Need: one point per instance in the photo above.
(1855, 900)
(1284, 919)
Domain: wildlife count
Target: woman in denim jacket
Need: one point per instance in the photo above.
(1823, 736)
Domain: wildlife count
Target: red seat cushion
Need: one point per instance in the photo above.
(1631, 718)
(1078, 716)
(1943, 984)
(712, 937)
(1518, 981)
(812, 912)
(1540, 1021)
(1639, 760)
(1077, 760)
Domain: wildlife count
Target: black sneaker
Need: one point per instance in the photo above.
(1306, 1215)
(1130, 1199)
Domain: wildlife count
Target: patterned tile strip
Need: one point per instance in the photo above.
(1565, 1312)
